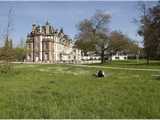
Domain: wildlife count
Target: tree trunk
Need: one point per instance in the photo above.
(102, 57)
(148, 60)
(110, 59)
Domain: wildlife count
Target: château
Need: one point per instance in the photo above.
(50, 45)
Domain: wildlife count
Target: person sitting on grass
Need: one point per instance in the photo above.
(100, 73)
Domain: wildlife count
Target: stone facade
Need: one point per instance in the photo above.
(46, 44)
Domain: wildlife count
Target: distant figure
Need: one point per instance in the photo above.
(100, 73)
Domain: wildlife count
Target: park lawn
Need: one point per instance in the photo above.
(65, 91)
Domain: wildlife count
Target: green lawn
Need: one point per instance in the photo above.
(64, 91)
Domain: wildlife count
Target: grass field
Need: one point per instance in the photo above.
(65, 91)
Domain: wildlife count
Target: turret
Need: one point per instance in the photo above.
(47, 27)
(61, 30)
(33, 27)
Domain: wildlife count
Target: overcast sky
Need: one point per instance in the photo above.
(67, 15)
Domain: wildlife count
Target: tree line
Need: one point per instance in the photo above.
(94, 35)
(9, 53)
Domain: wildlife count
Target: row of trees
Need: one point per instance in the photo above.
(8, 53)
(94, 36)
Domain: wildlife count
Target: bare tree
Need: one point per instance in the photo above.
(7, 53)
(93, 33)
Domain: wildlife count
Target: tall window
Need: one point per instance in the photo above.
(47, 45)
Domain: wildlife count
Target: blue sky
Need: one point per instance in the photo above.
(67, 15)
